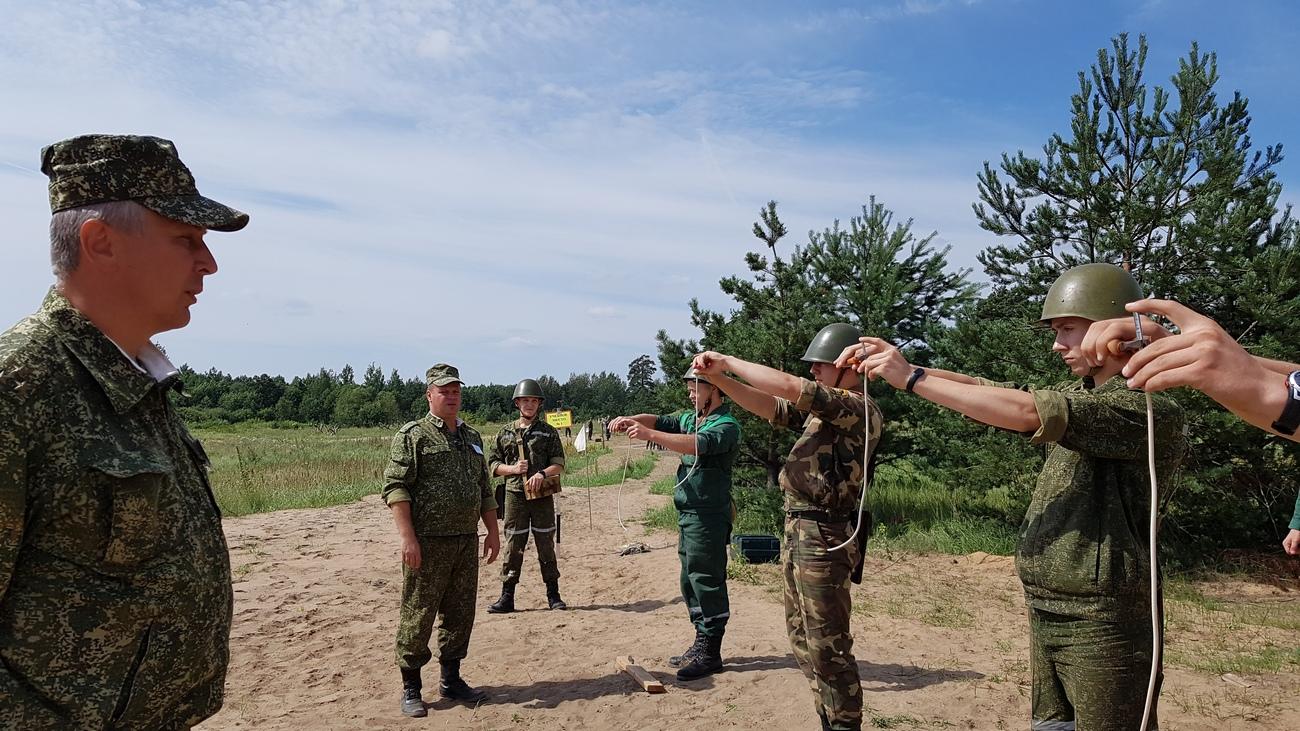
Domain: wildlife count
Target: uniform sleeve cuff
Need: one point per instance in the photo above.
(400, 495)
(1053, 416)
(807, 390)
(558, 460)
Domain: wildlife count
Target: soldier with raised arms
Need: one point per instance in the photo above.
(1082, 555)
(525, 454)
(708, 438)
(822, 480)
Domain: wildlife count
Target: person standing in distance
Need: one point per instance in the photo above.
(436, 485)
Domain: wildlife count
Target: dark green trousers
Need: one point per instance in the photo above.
(702, 548)
(1089, 675)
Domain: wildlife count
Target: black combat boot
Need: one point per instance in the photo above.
(456, 689)
(553, 599)
(826, 725)
(506, 604)
(412, 704)
(707, 660)
(685, 658)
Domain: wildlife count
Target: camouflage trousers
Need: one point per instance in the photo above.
(523, 517)
(1089, 675)
(817, 608)
(702, 550)
(444, 589)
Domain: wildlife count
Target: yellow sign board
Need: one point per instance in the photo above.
(560, 419)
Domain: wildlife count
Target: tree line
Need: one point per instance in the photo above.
(339, 399)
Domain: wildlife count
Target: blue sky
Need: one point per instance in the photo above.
(523, 188)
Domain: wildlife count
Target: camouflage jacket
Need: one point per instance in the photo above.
(824, 469)
(115, 593)
(1083, 543)
(542, 446)
(442, 474)
(708, 489)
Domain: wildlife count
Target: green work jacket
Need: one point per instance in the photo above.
(717, 440)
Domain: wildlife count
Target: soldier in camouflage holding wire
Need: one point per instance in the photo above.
(822, 480)
(115, 598)
(543, 456)
(436, 485)
(1083, 545)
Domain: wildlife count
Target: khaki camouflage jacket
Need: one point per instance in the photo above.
(542, 446)
(825, 466)
(1083, 543)
(115, 594)
(442, 473)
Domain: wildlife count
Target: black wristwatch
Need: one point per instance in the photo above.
(917, 375)
(1290, 418)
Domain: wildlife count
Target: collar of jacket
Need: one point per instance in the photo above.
(121, 380)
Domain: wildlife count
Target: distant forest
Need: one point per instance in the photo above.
(341, 399)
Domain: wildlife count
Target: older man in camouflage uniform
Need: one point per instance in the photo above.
(115, 597)
(822, 479)
(529, 450)
(1083, 545)
(436, 485)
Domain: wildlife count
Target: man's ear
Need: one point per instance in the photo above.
(98, 245)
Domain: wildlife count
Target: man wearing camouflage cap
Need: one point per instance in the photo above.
(1082, 556)
(708, 438)
(115, 597)
(436, 484)
(527, 452)
(822, 479)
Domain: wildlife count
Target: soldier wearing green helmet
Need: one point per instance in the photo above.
(1082, 555)
(708, 438)
(525, 453)
(822, 479)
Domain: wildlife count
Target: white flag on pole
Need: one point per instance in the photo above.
(580, 441)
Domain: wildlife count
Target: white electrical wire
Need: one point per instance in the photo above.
(866, 459)
(618, 499)
(1157, 636)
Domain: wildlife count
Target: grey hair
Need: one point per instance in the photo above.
(65, 229)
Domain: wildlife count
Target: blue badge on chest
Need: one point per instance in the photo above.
(477, 449)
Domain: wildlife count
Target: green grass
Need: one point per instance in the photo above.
(594, 474)
(1214, 635)
(257, 468)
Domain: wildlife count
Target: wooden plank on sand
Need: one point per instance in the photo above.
(639, 674)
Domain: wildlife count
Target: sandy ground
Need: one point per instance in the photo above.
(941, 642)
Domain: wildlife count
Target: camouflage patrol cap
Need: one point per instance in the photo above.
(102, 168)
(441, 374)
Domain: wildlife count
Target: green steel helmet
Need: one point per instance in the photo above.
(528, 387)
(830, 341)
(691, 375)
(1091, 291)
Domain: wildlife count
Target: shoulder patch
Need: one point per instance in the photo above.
(408, 426)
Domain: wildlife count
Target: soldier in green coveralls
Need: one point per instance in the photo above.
(436, 485)
(115, 600)
(1082, 555)
(708, 439)
(822, 481)
(542, 456)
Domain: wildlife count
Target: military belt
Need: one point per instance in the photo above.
(821, 516)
